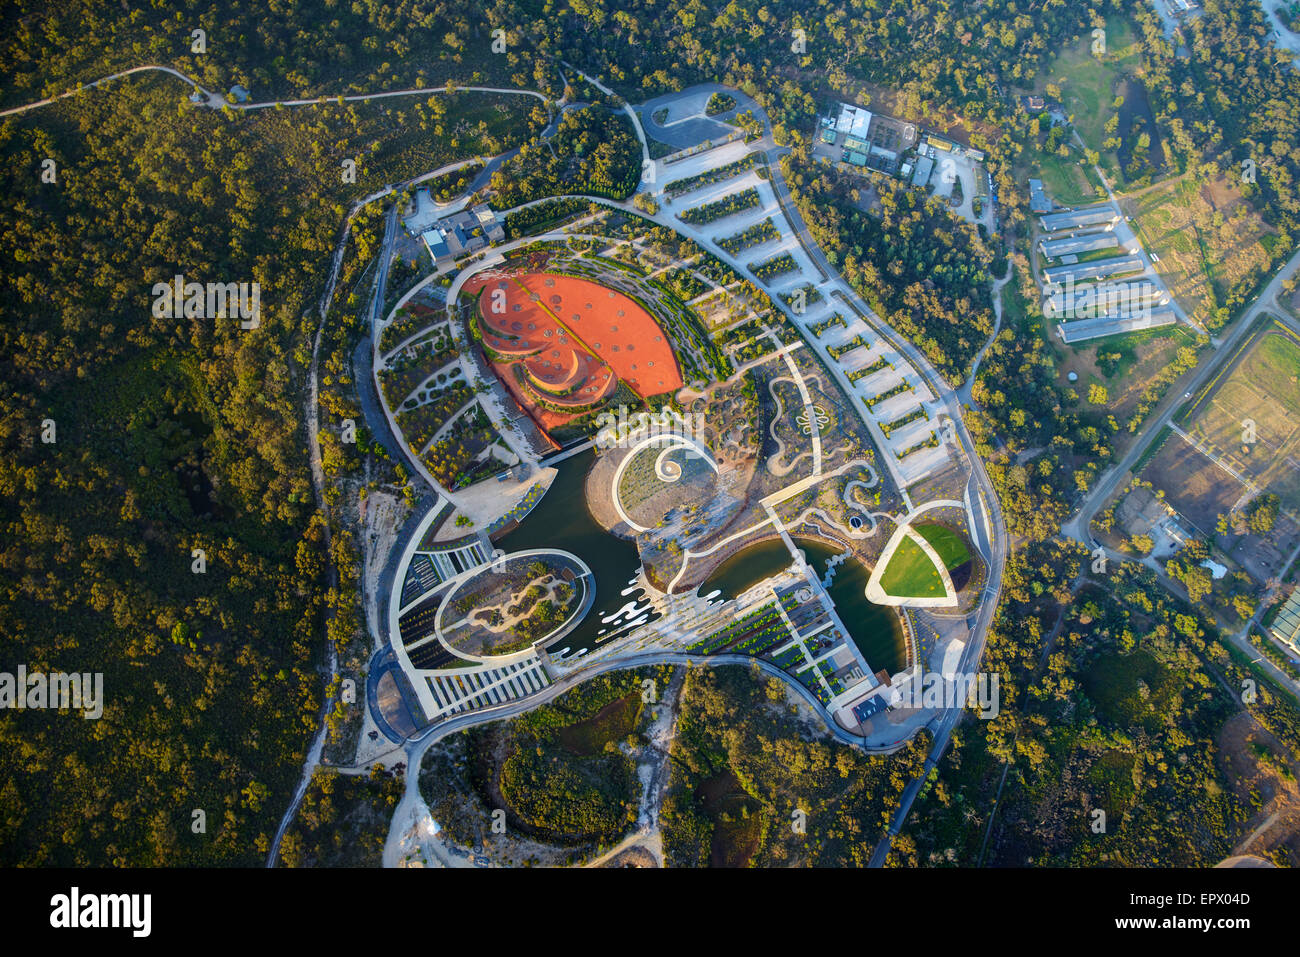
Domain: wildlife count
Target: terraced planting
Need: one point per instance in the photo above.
(680, 187)
(421, 423)
(872, 369)
(719, 209)
(844, 348)
(464, 455)
(803, 297)
(410, 368)
(888, 427)
(832, 322)
(750, 635)
(755, 235)
(776, 266)
(410, 319)
(898, 389)
(929, 443)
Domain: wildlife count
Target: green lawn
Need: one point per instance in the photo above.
(911, 574)
(1275, 366)
(1068, 181)
(952, 550)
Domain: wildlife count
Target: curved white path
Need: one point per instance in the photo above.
(455, 584)
(676, 441)
(877, 593)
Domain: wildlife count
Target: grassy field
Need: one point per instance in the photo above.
(1212, 245)
(1068, 180)
(911, 574)
(1087, 84)
(1125, 366)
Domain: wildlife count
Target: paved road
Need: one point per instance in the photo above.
(942, 730)
(979, 633)
(989, 603)
(684, 133)
(1128, 240)
(417, 747)
(937, 385)
(372, 410)
(1079, 526)
(627, 108)
(362, 97)
(368, 402)
(974, 650)
(378, 418)
(1240, 637)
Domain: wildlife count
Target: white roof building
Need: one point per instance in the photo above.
(854, 121)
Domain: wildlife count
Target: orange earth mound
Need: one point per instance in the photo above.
(574, 339)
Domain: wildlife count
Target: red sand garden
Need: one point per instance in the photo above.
(574, 340)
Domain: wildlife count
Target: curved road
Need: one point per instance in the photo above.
(208, 96)
(218, 100)
(417, 746)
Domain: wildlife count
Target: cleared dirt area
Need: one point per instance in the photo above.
(632, 857)
(1253, 760)
(1194, 485)
(1263, 557)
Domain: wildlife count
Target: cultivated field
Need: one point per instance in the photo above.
(1210, 471)
(1211, 243)
(1261, 387)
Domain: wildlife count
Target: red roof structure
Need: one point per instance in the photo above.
(574, 340)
